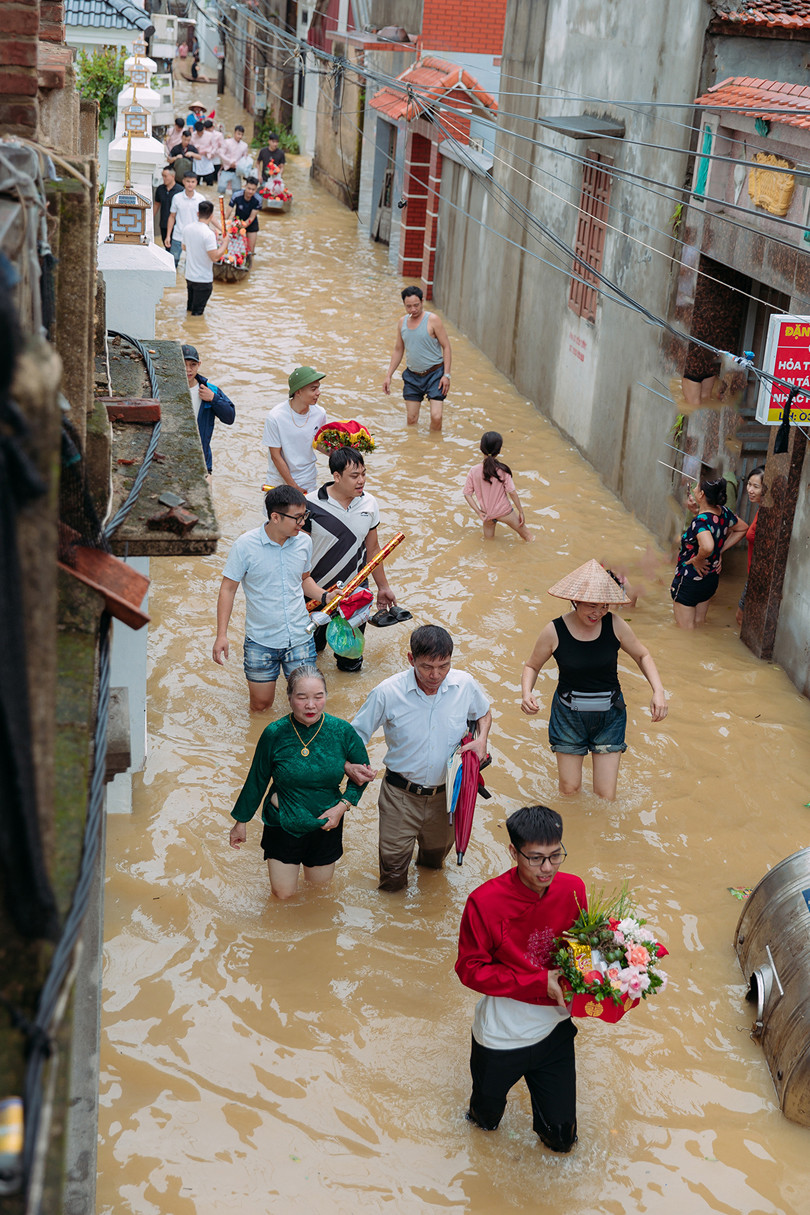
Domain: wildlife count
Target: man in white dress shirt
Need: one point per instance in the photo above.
(423, 713)
(289, 429)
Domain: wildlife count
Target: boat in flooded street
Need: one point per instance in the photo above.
(233, 271)
(312, 1055)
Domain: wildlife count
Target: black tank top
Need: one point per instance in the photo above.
(587, 666)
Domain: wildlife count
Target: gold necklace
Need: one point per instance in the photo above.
(304, 747)
(300, 425)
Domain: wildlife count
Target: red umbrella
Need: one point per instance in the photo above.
(465, 806)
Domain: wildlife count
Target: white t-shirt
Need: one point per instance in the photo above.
(184, 210)
(198, 239)
(293, 433)
(504, 1024)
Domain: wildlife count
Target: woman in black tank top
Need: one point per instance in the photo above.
(587, 710)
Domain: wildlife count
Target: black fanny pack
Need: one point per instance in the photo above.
(590, 702)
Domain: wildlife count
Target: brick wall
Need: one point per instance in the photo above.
(463, 25)
(52, 21)
(18, 67)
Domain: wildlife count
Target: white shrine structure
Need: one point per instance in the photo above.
(135, 266)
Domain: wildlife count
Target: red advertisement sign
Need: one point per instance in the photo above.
(787, 355)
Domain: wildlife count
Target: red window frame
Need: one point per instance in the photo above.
(594, 204)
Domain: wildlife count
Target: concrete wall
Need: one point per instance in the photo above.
(376, 144)
(792, 644)
(338, 132)
(755, 57)
(407, 13)
(582, 375)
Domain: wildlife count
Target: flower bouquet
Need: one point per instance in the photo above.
(274, 187)
(343, 434)
(237, 246)
(608, 959)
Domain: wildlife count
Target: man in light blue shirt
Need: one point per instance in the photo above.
(423, 713)
(272, 563)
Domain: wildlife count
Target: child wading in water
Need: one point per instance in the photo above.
(489, 487)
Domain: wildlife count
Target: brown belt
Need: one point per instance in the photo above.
(435, 367)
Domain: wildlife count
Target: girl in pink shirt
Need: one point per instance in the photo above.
(489, 488)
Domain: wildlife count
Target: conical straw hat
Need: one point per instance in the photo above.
(591, 583)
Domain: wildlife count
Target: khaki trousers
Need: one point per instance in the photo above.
(406, 819)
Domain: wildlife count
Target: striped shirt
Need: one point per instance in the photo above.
(339, 535)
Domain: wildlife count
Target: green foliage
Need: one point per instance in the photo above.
(677, 429)
(593, 919)
(286, 140)
(101, 78)
(676, 219)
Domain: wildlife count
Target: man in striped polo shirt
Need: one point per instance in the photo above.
(343, 526)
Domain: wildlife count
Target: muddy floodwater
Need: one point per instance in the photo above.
(312, 1056)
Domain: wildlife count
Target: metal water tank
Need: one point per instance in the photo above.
(773, 948)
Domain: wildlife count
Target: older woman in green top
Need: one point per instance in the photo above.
(303, 755)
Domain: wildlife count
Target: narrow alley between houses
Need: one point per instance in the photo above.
(311, 1055)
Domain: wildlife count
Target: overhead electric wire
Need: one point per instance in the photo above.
(620, 296)
(468, 215)
(418, 91)
(649, 316)
(387, 81)
(569, 202)
(641, 103)
(433, 105)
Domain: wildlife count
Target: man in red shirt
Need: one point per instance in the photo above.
(522, 1026)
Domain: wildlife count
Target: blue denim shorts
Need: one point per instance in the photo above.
(415, 386)
(575, 733)
(262, 663)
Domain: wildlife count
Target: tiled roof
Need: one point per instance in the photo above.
(781, 14)
(431, 80)
(752, 97)
(109, 14)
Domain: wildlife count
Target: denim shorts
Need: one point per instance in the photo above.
(575, 733)
(415, 386)
(262, 663)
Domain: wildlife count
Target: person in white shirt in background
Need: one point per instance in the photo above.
(231, 153)
(423, 713)
(289, 430)
(183, 211)
(200, 244)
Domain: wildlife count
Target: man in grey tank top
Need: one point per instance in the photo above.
(423, 340)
